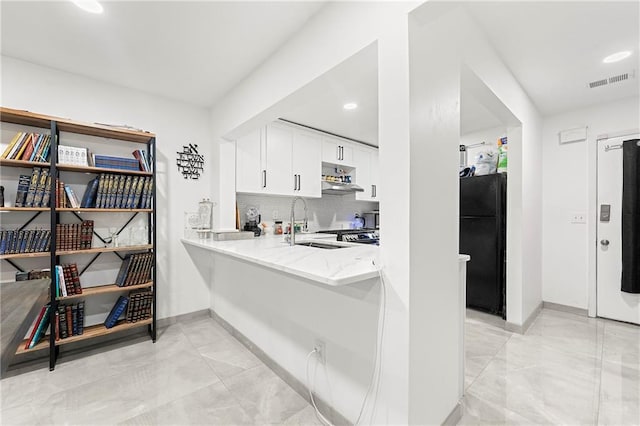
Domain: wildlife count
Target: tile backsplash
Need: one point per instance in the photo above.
(328, 212)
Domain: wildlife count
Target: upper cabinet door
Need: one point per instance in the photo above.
(250, 169)
(307, 167)
(337, 151)
(278, 159)
(362, 174)
(375, 174)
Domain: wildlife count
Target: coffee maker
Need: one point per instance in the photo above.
(253, 219)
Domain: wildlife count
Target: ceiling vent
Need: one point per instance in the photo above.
(611, 80)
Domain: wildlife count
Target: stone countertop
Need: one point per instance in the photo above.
(330, 267)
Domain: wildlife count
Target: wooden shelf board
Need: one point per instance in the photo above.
(4, 162)
(94, 210)
(104, 249)
(24, 209)
(104, 289)
(89, 169)
(66, 125)
(89, 333)
(24, 255)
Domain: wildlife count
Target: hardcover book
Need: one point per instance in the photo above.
(33, 185)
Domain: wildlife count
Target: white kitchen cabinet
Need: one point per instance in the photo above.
(279, 160)
(250, 167)
(306, 166)
(337, 151)
(366, 172)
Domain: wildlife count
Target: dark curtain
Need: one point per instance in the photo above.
(631, 216)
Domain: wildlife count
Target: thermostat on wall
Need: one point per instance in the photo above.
(573, 135)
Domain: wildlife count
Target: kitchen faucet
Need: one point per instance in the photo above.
(292, 232)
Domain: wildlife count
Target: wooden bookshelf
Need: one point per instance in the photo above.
(94, 210)
(106, 135)
(24, 255)
(24, 209)
(88, 333)
(104, 249)
(27, 118)
(104, 289)
(89, 169)
(4, 162)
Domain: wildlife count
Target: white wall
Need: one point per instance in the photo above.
(181, 287)
(567, 173)
(340, 30)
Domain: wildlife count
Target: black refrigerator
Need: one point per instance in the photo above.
(483, 237)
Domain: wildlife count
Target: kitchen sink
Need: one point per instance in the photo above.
(321, 245)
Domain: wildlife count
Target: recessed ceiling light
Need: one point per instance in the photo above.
(91, 6)
(350, 105)
(618, 56)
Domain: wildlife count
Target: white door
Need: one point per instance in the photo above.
(611, 301)
(362, 161)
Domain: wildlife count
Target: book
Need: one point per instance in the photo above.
(18, 146)
(74, 319)
(36, 148)
(116, 311)
(42, 327)
(23, 188)
(80, 318)
(69, 318)
(46, 197)
(86, 234)
(71, 196)
(40, 188)
(29, 147)
(126, 191)
(100, 194)
(62, 321)
(119, 191)
(35, 326)
(89, 197)
(33, 185)
(23, 146)
(124, 269)
(138, 193)
(75, 277)
(43, 155)
(12, 144)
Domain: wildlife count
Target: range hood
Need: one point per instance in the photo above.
(340, 188)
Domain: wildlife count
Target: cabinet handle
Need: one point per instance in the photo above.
(264, 178)
(341, 153)
(295, 182)
(298, 182)
(337, 152)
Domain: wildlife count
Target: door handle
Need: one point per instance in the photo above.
(264, 178)
(604, 242)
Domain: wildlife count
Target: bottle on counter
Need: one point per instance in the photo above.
(277, 230)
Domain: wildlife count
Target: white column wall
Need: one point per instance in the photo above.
(181, 286)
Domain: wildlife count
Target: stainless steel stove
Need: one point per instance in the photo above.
(362, 236)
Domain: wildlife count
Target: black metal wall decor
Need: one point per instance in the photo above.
(190, 163)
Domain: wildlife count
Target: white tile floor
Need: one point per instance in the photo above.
(567, 369)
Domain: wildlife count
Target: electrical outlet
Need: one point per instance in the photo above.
(321, 351)
(578, 217)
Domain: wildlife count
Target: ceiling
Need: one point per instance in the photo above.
(555, 48)
(197, 51)
(192, 51)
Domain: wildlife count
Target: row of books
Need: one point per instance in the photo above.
(25, 241)
(74, 236)
(109, 191)
(69, 320)
(34, 190)
(137, 303)
(66, 196)
(120, 163)
(67, 280)
(135, 269)
(28, 147)
(34, 274)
